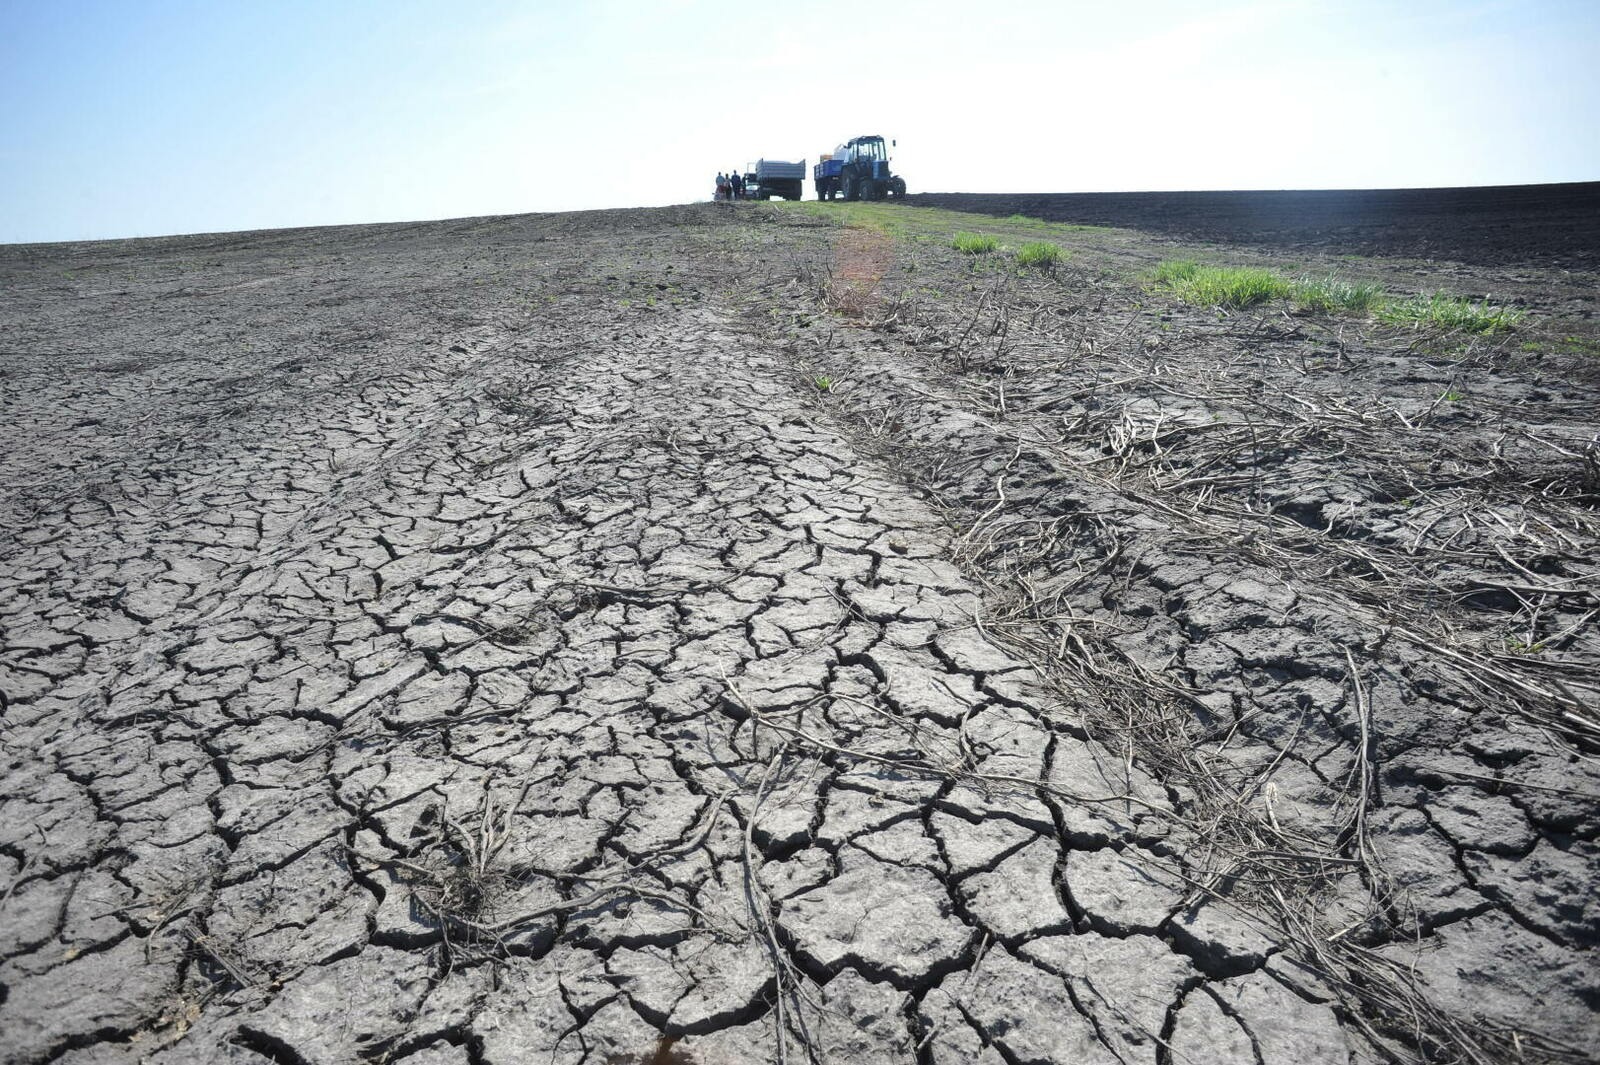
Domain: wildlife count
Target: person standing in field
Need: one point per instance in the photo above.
(722, 186)
(738, 185)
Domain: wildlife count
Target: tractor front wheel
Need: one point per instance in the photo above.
(897, 188)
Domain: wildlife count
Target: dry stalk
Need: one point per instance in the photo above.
(460, 882)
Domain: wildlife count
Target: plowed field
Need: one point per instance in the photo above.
(1502, 225)
(738, 633)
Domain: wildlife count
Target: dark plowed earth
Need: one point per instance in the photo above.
(1546, 225)
(567, 639)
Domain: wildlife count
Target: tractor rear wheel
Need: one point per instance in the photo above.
(852, 188)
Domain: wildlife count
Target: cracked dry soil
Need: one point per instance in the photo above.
(484, 642)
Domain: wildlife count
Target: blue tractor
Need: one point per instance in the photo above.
(858, 170)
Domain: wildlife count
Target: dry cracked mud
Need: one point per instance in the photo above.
(709, 635)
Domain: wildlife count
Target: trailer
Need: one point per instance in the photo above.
(858, 170)
(766, 178)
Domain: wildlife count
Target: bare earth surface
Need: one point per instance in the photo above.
(712, 635)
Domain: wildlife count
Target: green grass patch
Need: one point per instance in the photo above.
(1561, 346)
(1328, 294)
(1245, 286)
(1040, 254)
(1172, 272)
(974, 243)
(1449, 312)
(1221, 286)
(935, 224)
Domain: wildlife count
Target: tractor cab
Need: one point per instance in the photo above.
(867, 150)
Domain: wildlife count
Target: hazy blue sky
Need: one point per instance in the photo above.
(138, 117)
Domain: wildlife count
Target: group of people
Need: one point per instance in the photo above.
(730, 186)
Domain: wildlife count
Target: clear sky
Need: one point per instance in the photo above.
(142, 117)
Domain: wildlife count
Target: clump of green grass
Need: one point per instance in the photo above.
(1562, 345)
(1041, 254)
(1236, 287)
(1172, 272)
(1331, 294)
(823, 383)
(974, 243)
(1220, 286)
(1449, 312)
